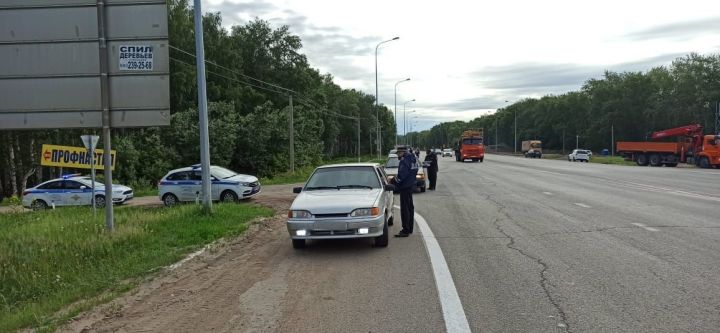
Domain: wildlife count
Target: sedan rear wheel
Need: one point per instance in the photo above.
(99, 201)
(38, 205)
(170, 200)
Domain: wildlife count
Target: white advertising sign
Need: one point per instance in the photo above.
(136, 57)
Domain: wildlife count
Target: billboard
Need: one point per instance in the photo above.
(73, 157)
(50, 63)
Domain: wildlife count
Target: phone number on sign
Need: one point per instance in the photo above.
(137, 65)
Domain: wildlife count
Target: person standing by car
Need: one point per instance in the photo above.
(432, 168)
(405, 184)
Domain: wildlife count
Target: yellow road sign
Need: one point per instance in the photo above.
(73, 157)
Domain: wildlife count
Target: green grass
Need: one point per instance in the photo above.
(301, 174)
(611, 160)
(55, 258)
(145, 191)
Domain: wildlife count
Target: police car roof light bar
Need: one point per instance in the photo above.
(70, 175)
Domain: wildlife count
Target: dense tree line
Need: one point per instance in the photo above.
(253, 70)
(634, 104)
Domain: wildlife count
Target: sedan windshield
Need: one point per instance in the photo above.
(222, 173)
(343, 177)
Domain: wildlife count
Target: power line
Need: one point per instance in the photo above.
(302, 100)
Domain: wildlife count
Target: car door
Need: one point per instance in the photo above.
(179, 184)
(196, 185)
(387, 196)
(52, 193)
(74, 194)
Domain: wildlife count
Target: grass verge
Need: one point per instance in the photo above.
(611, 160)
(55, 258)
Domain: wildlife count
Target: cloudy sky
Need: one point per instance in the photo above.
(466, 58)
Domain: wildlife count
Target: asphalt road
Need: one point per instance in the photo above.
(545, 245)
(531, 246)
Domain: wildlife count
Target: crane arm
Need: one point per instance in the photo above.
(689, 130)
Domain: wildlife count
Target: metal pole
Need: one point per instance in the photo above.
(515, 144)
(717, 119)
(377, 108)
(202, 107)
(105, 103)
(396, 134)
(612, 140)
(405, 125)
(358, 146)
(577, 138)
(496, 134)
(91, 151)
(291, 135)
(563, 144)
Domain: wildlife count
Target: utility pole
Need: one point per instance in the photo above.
(358, 133)
(291, 135)
(496, 134)
(717, 118)
(563, 144)
(515, 146)
(577, 139)
(612, 140)
(105, 104)
(202, 108)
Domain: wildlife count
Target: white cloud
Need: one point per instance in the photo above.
(457, 51)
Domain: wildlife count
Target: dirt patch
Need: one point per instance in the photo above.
(231, 286)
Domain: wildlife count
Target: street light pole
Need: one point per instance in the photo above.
(396, 122)
(404, 105)
(577, 138)
(405, 123)
(377, 109)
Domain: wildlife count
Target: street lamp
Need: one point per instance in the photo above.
(396, 84)
(404, 105)
(515, 142)
(405, 123)
(377, 110)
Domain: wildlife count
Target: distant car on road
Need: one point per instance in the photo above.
(185, 184)
(392, 152)
(580, 155)
(343, 201)
(72, 190)
(391, 169)
(447, 152)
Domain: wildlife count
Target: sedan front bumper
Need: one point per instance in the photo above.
(336, 228)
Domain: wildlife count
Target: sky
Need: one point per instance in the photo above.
(467, 58)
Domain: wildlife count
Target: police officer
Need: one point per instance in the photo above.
(432, 169)
(405, 184)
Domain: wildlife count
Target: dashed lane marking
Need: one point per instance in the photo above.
(640, 225)
(582, 205)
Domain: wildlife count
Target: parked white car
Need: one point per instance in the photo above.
(580, 155)
(339, 201)
(185, 184)
(72, 190)
(447, 152)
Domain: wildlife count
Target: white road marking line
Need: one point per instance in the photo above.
(547, 193)
(640, 225)
(453, 312)
(581, 205)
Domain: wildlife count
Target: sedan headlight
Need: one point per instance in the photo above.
(374, 211)
(299, 214)
(245, 184)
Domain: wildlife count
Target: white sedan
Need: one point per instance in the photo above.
(72, 190)
(185, 184)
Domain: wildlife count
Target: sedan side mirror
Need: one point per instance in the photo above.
(83, 187)
(297, 189)
(389, 187)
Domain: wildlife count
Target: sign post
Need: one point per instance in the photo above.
(90, 141)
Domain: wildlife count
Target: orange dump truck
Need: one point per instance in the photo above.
(691, 147)
(470, 146)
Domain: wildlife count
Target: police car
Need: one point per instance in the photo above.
(185, 184)
(72, 190)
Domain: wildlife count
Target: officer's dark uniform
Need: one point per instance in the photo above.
(405, 184)
(432, 169)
